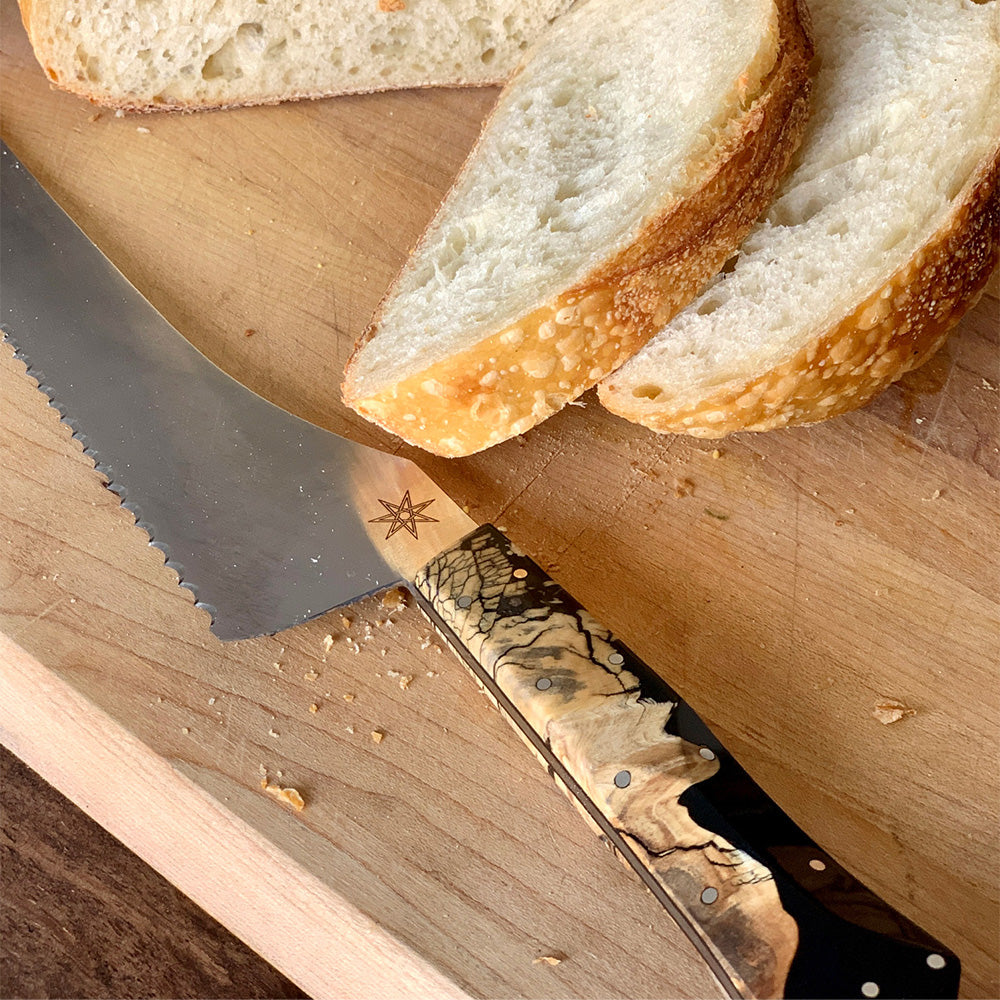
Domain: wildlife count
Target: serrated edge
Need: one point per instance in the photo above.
(119, 489)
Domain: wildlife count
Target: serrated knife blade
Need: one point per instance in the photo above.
(256, 510)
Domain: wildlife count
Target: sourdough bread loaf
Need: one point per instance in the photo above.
(881, 236)
(192, 54)
(622, 165)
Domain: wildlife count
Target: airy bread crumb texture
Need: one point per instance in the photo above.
(191, 54)
(881, 236)
(615, 176)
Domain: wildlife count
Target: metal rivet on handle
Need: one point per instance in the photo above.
(817, 865)
(870, 989)
(543, 683)
(616, 658)
(623, 779)
(520, 574)
(464, 602)
(707, 753)
(709, 895)
(936, 961)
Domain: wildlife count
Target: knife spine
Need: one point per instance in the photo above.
(38, 377)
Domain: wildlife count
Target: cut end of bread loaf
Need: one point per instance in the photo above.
(889, 333)
(207, 54)
(881, 236)
(501, 381)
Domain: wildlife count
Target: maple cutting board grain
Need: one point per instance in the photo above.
(785, 583)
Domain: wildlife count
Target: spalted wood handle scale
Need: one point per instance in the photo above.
(773, 914)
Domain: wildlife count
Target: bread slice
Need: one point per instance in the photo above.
(882, 235)
(159, 54)
(622, 165)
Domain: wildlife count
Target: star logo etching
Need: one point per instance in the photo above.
(404, 514)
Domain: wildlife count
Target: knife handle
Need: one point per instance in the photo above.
(772, 914)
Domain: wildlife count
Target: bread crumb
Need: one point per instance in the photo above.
(185, 730)
(391, 6)
(716, 453)
(716, 515)
(405, 682)
(891, 710)
(394, 599)
(314, 708)
(310, 675)
(345, 621)
(327, 643)
(289, 796)
(348, 696)
(271, 732)
(142, 130)
(934, 496)
(377, 735)
(432, 673)
(350, 729)
(555, 958)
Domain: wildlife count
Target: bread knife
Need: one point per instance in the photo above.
(272, 521)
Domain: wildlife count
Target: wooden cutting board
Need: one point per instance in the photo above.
(785, 583)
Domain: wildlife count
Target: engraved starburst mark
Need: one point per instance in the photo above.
(404, 514)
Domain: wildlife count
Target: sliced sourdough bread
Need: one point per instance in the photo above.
(622, 165)
(882, 234)
(190, 54)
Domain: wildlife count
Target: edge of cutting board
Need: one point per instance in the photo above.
(48, 724)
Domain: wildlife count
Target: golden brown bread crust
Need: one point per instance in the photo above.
(892, 331)
(522, 374)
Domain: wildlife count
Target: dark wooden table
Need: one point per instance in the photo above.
(81, 916)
